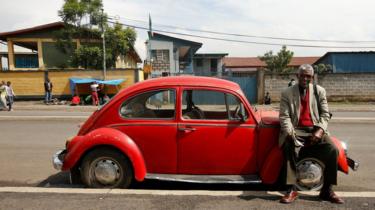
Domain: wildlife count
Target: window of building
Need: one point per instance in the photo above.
(213, 65)
(160, 55)
(199, 62)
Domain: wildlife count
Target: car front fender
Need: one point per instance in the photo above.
(341, 159)
(105, 137)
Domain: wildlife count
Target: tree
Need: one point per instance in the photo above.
(278, 63)
(84, 20)
(323, 68)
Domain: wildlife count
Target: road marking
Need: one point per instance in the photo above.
(167, 192)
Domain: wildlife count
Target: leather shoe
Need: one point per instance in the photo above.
(329, 195)
(289, 197)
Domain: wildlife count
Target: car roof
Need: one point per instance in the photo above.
(182, 81)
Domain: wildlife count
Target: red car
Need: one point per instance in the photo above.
(193, 129)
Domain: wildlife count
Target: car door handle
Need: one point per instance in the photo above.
(186, 129)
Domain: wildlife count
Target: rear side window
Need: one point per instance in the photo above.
(159, 104)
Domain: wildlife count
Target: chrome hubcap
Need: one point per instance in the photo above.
(106, 172)
(309, 174)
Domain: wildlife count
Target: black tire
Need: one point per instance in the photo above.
(111, 161)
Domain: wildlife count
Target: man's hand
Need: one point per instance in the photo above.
(317, 135)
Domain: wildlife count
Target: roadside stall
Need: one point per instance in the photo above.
(81, 88)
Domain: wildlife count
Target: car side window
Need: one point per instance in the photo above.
(204, 104)
(236, 108)
(211, 105)
(158, 104)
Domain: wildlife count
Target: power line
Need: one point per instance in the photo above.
(247, 42)
(254, 36)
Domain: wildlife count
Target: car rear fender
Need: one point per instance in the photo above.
(80, 145)
(271, 167)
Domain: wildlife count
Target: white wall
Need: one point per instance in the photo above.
(163, 45)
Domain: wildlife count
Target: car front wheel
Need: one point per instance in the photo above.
(106, 168)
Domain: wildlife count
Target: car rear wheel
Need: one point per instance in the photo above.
(106, 168)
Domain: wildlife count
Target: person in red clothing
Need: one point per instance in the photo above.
(75, 100)
(303, 111)
(94, 93)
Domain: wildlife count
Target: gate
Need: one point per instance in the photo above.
(248, 85)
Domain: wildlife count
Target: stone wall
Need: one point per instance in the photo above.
(339, 86)
(349, 87)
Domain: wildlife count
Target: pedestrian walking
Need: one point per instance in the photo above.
(10, 95)
(48, 91)
(3, 94)
(94, 93)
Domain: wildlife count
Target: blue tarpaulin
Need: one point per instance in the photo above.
(75, 81)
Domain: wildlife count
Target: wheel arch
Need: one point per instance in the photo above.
(107, 138)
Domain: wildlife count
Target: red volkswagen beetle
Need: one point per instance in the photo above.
(192, 129)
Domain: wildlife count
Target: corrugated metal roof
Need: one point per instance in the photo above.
(255, 62)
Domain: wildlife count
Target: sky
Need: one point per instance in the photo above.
(339, 20)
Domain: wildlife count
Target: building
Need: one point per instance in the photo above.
(173, 56)
(28, 70)
(41, 40)
(349, 62)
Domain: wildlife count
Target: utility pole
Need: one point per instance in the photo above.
(104, 56)
(149, 42)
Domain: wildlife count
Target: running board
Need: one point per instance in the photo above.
(207, 179)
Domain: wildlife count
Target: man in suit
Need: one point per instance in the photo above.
(301, 110)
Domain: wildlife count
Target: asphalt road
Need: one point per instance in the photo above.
(26, 147)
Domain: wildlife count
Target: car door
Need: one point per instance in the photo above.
(149, 119)
(211, 139)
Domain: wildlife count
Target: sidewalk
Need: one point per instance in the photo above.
(40, 106)
(333, 106)
(32, 110)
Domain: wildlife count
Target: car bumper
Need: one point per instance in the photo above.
(58, 159)
(354, 165)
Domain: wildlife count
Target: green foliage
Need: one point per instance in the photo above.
(118, 42)
(278, 63)
(84, 21)
(323, 68)
(84, 55)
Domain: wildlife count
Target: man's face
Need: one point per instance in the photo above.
(304, 78)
